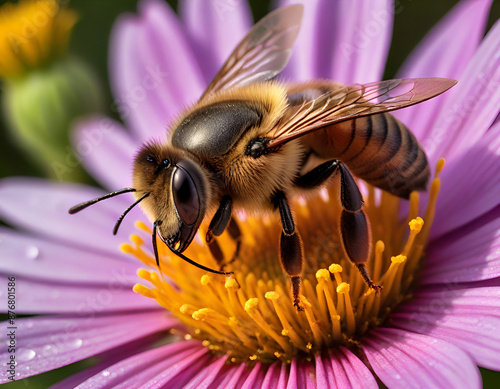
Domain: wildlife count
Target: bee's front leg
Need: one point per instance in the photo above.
(291, 250)
(234, 232)
(355, 226)
(217, 226)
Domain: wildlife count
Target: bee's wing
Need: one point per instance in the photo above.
(354, 101)
(263, 53)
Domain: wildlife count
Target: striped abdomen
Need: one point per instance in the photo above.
(378, 149)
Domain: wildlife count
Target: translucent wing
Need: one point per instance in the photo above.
(354, 101)
(263, 53)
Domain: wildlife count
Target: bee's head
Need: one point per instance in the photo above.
(178, 192)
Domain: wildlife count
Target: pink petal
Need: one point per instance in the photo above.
(403, 359)
(293, 381)
(323, 375)
(471, 253)
(473, 104)
(110, 358)
(42, 297)
(468, 318)
(363, 40)
(208, 375)
(153, 361)
(106, 151)
(234, 375)
(275, 377)
(254, 378)
(153, 71)
(345, 370)
(304, 373)
(357, 373)
(42, 260)
(349, 53)
(460, 200)
(444, 52)
(215, 28)
(41, 206)
(305, 57)
(45, 344)
(173, 375)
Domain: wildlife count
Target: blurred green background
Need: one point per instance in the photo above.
(90, 42)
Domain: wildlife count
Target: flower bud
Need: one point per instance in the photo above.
(40, 108)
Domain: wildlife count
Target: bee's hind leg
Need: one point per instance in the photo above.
(355, 226)
(291, 250)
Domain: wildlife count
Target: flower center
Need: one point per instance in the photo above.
(250, 316)
(32, 32)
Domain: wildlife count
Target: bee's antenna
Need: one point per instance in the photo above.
(120, 219)
(81, 206)
(180, 255)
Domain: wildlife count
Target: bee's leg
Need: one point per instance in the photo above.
(355, 226)
(235, 234)
(291, 250)
(318, 175)
(217, 226)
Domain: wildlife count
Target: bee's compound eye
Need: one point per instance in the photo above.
(187, 201)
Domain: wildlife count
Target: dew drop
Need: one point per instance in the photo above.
(25, 354)
(77, 343)
(105, 373)
(32, 252)
(49, 350)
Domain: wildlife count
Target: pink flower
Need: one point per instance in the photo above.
(68, 268)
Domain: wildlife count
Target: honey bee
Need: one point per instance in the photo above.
(253, 143)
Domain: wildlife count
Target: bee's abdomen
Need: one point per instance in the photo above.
(391, 157)
(378, 149)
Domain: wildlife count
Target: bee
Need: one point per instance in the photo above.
(253, 143)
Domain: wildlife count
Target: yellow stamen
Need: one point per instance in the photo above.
(251, 309)
(137, 240)
(345, 303)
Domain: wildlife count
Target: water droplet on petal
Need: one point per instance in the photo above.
(48, 350)
(105, 373)
(32, 252)
(77, 343)
(25, 354)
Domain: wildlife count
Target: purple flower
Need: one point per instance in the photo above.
(427, 331)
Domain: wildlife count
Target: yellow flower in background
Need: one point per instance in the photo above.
(45, 89)
(32, 33)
